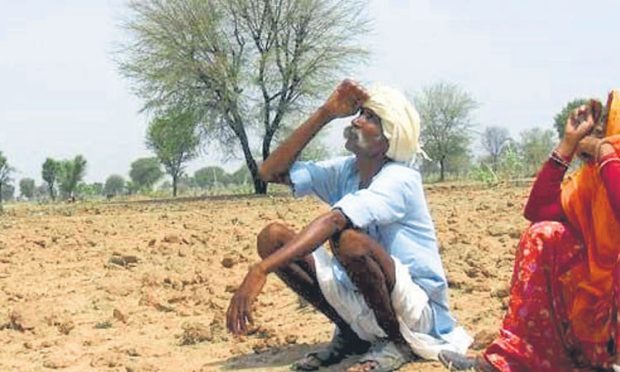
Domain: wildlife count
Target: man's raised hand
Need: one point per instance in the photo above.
(346, 99)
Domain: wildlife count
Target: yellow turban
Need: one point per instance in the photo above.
(400, 121)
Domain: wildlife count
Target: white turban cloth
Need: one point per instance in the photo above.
(400, 121)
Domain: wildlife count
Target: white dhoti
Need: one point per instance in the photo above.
(410, 303)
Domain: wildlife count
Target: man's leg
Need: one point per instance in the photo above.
(373, 272)
(301, 277)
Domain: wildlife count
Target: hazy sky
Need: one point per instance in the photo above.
(61, 94)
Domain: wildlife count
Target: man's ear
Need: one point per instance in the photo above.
(385, 145)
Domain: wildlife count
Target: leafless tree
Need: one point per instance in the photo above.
(494, 140)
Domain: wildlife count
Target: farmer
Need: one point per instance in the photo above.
(565, 295)
(384, 287)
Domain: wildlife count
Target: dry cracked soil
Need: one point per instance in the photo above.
(144, 286)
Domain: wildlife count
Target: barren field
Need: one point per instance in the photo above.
(144, 286)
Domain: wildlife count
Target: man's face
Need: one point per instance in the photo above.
(365, 135)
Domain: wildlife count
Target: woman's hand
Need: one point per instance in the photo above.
(593, 149)
(588, 148)
(345, 100)
(239, 312)
(579, 124)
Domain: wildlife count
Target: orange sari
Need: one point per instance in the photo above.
(586, 205)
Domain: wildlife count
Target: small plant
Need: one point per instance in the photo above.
(511, 164)
(483, 173)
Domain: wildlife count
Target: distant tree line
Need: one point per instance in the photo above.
(63, 179)
(448, 135)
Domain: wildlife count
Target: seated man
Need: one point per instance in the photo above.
(384, 287)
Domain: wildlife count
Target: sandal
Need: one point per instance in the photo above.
(342, 345)
(457, 362)
(386, 355)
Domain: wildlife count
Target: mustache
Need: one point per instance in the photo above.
(351, 132)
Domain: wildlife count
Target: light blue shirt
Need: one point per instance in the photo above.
(393, 211)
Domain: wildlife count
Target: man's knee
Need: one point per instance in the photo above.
(271, 237)
(351, 245)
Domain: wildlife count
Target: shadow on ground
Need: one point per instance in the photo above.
(281, 359)
(275, 359)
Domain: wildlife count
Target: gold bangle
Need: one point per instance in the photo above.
(558, 159)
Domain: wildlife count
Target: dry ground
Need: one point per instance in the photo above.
(145, 286)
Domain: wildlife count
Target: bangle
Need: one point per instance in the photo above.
(604, 163)
(555, 156)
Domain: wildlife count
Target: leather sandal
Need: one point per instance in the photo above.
(342, 345)
(386, 355)
(457, 362)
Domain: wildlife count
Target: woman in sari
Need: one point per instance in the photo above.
(565, 290)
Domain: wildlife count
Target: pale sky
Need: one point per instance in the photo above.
(61, 94)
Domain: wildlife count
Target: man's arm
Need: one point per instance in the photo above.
(276, 166)
(315, 234)
(346, 100)
(304, 243)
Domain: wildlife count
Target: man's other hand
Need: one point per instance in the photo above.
(239, 312)
(346, 99)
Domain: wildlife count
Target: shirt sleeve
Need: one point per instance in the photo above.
(385, 201)
(545, 203)
(322, 178)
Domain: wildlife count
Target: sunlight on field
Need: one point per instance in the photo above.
(145, 285)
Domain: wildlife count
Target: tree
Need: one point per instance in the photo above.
(8, 192)
(114, 185)
(185, 184)
(211, 176)
(241, 176)
(174, 140)
(459, 162)
(89, 189)
(5, 178)
(445, 112)
(145, 172)
(71, 172)
(50, 172)
(27, 187)
(559, 120)
(494, 140)
(242, 65)
(536, 145)
(315, 150)
(41, 192)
